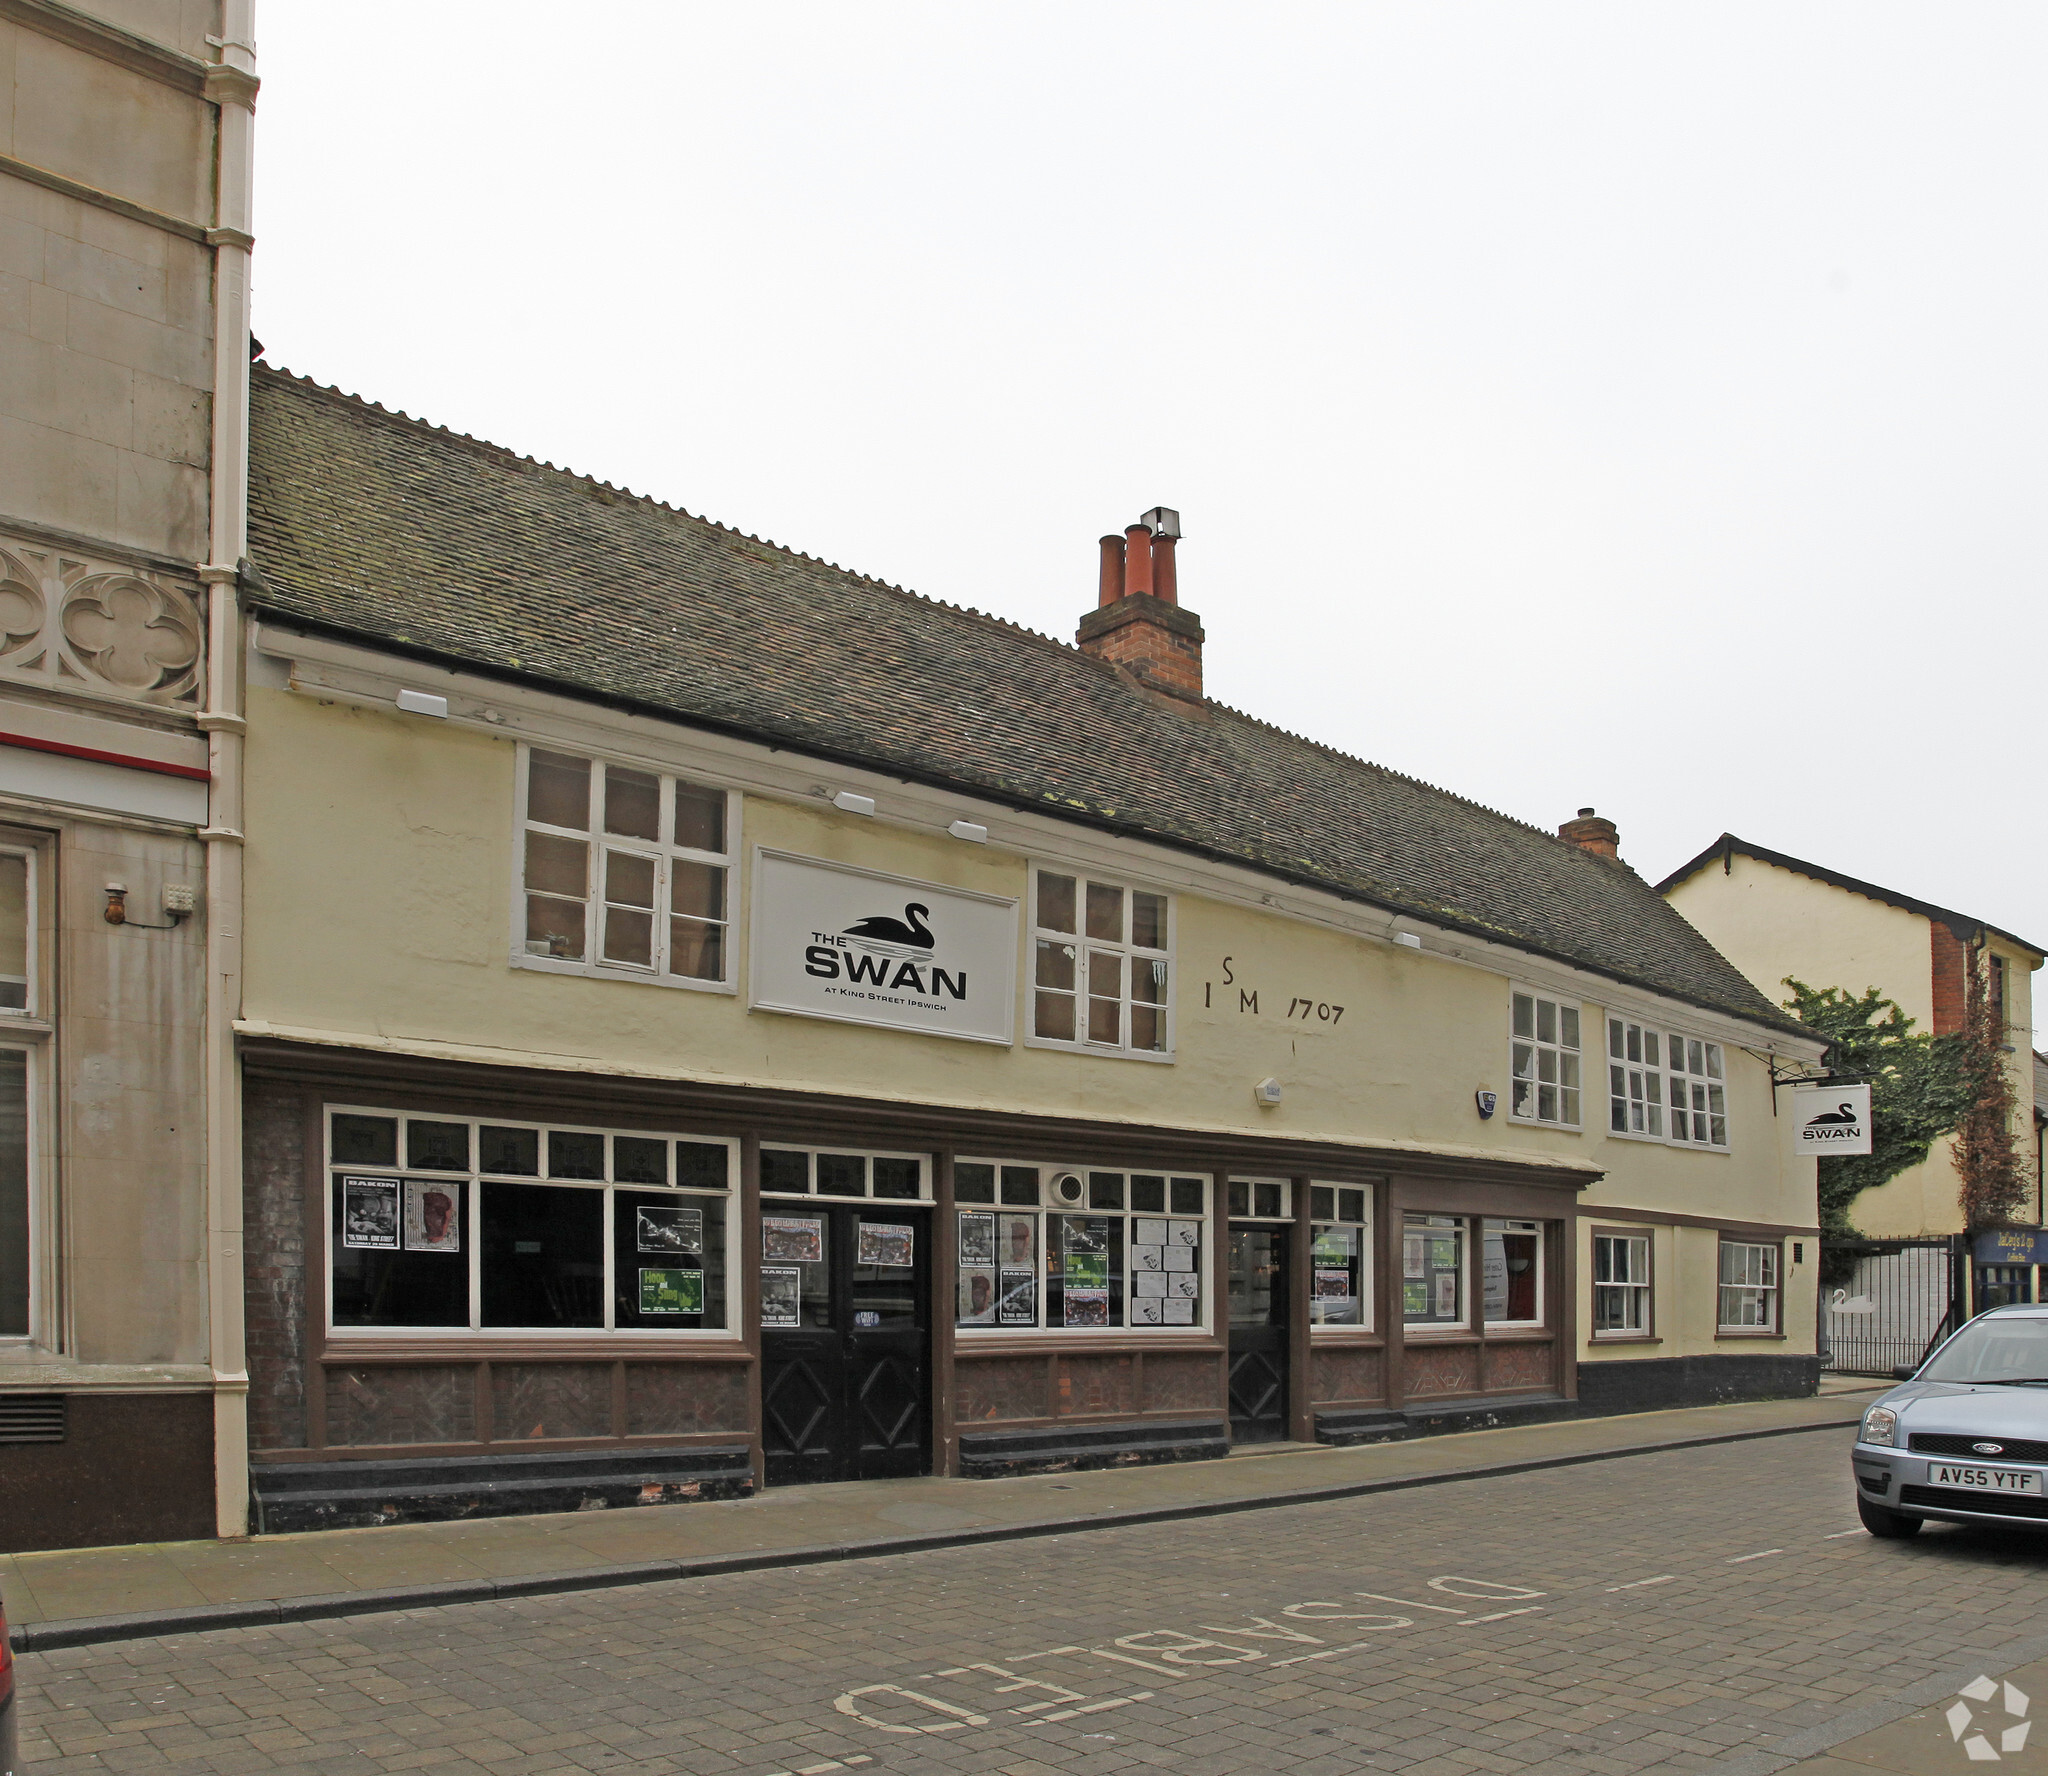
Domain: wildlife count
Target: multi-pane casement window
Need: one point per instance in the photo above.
(624, 871)
(1544, 1060)
(1101, 965)
(437, 1221)
(1511, 1273)
(1079, 1250)
(1621, 1285)
(1664, 1086)
(1341, 1255)
(1749, 1287)
(1433, 1271)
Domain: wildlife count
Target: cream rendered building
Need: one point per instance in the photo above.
(124, 239)
(712, 1018)
(1775, 916)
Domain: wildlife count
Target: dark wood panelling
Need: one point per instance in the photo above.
(1435, 1369)
(400, 1403)
(531, 1400)
(1183, 1382)
(1523, 1366)
(1346, 1374)
(1091, 1386)
(680, 1399)
(989, 1389)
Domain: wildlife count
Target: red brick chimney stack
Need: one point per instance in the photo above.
(1138, 624)
(1592, 832)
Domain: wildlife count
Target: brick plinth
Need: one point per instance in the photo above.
(1951, 961)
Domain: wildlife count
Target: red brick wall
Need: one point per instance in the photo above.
(1951, 957)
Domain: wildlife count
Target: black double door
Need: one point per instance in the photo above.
(845, 1341)
(1259, 1333)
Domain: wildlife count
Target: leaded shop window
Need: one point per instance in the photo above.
(1665, 1086)
(1544, 1060)
(1340, 1283)
(1077, 1248)
(454, 1222)
(821, 1171)
(1621, 1283)
(1511, 1272)
(1433, 1270)
(1101, 964)
(625, 870)
(1749, 1286)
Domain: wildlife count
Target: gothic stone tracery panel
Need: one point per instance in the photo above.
(71, 623)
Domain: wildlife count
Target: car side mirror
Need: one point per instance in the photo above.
(1904, 1371)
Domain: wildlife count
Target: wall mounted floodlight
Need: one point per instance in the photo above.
(423, 703)
(849, 803)
(1408, 940)
(970, 830)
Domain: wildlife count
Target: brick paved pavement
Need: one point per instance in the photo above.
(1651, 1613)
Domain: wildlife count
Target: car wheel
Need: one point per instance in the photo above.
(1890, 1524)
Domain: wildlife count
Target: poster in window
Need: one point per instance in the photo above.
(977, 1295)
(1493, 1277)
(1184, 1233)
(1148, 1233)
(677, 1231)
(671, 1291)
(433, 1222)
(1020, 1239)
(1145, 1258)
(1087, 1307)
(1180, 1257)
(1333, 1245)
(1414, 1298)
(1413, 1254)
(1179, 1312)
(1447, 1295)
(369, 1214)
(1333, 1285)
(1183, 1285)
(1086, 1236)
(1147, 1311)
(977, 1239)
(883, 1244)
(1087, 1270)
(1443, 1254)
(793, 1239)
(782, 1296)
(1019, 1298)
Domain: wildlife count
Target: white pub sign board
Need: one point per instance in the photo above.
(1832, 1118)
(832, 941)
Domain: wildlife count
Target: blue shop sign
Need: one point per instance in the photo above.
(2013, 1245)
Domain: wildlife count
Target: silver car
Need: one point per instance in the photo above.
(1966, 1439)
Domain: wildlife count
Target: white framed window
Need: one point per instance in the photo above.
(623, 871)
(1340, 1273)
(23, 1217)
(1433, 1279)
(1511, 1273)
(1101, 965)
(844, 1176)
(1665, 1086)
(1749, 1286)
(468, 1225)
(1621, 1285)
(1544, 1060)
(1074, 1248)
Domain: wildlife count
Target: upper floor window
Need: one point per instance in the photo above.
(15, 923)
(1545, 1055)
(1101, 964)
(1665, 1086)
(625, 870)
(2000, 1016)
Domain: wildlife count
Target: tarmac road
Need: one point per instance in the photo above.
(1693, 1609)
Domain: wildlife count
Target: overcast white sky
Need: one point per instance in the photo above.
(1643, 406)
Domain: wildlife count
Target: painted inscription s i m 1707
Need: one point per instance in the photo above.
(1232, 994)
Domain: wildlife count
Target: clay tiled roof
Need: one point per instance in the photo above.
(368, 523)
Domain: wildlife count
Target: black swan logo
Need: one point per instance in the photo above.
(1844, 1113)
(895, 936)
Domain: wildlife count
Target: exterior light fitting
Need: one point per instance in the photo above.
(849, 803)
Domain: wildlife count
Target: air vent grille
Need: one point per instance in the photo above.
(31, 1418)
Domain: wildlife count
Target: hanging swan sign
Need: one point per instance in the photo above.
(854, 945)
(1832, 1119)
